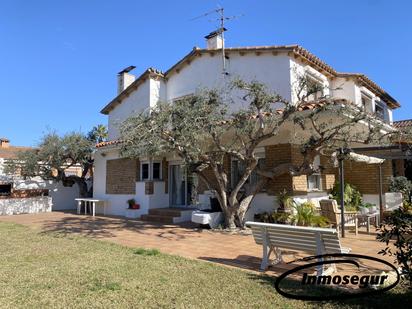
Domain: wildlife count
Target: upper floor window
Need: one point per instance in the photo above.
(379, 111)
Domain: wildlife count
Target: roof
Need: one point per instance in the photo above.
(296, 51)
(403, 123)
(108, 143)
(12, 152)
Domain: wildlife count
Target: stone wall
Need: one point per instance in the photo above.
(15, 206)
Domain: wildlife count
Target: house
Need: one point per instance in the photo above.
(19, 195)
(163, 182)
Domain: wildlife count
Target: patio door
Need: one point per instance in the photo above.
(177, 185)
(183, 186)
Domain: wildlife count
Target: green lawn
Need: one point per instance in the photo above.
(41, 270)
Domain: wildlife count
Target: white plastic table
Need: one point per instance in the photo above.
(90, 202)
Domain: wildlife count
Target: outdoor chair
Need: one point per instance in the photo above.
(329, 209)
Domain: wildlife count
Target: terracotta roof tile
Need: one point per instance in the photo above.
(108, 143)
(403, 123)
(12, 152)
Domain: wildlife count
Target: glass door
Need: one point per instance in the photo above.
(182, 186)
(177, 185)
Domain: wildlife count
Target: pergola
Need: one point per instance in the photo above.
(395, 152)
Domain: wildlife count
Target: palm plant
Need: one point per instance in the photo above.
(305, 215)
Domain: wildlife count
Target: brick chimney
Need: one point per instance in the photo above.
(214, 40)
(124, 78)
(4, 142)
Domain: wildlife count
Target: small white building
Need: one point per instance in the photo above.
(163, 182)
(31, 195)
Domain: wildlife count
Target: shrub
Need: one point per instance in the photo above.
(285, 200)
(401, 184)
(305, 215)
(352, 197)
(273, 217)
(398, 227)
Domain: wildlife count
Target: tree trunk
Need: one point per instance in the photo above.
(230, 219)
(83, 191)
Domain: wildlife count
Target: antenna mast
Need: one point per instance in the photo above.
(221, 12)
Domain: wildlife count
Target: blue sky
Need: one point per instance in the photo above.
(59, 59)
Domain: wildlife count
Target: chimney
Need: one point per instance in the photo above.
(214, 40)
(4, 142)
(124, 78)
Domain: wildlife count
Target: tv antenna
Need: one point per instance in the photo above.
(220, 11)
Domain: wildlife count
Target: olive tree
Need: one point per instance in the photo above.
(55, 154)
(205, 128)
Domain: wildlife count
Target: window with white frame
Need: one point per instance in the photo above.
(314, 181)
(144, 171)
(150, 170)
(156, 170)
(238, 169)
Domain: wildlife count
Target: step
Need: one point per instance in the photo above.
(157, 218)
(171, 212)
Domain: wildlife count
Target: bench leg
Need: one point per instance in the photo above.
(265, 258)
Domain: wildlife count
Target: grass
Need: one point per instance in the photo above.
(49, 270)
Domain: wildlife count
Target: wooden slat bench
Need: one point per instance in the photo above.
(312, 240)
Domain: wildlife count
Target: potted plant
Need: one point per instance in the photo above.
(285, 201)
(132, 204)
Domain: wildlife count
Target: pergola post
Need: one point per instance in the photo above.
(381, 208)
(342, 192)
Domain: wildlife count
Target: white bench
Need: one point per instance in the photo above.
(315, 241)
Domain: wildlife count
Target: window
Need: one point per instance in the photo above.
(255, 177)
(238, 168)
(150, 170)
(144, 174)
(314, 181)
(156, 172)
(379, 111)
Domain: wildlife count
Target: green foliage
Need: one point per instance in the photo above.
(273, 217)
(352, 196)
(305, 215)
(131, 202)
(285, 200)
(53, 156)
(401, 184)
(396, 230)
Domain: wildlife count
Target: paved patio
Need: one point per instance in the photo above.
(185, 239)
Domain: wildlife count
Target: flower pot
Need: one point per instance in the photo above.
(136, 206)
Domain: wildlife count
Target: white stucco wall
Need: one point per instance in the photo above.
(138, 101)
